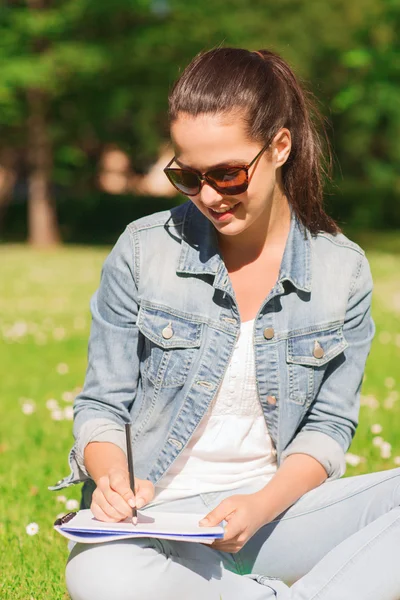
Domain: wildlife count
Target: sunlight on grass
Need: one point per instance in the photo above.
(44, 326)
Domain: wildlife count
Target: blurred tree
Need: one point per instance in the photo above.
(366, 117)
(79, 75)
(65, 73)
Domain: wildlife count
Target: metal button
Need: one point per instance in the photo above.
(318, 350)
(269, 333)
(271, 399)
(167, 332)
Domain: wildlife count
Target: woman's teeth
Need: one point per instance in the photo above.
(223, 210)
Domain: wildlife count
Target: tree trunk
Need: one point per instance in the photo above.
(42, 219)
(8, 176)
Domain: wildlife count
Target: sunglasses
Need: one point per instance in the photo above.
(229, 180)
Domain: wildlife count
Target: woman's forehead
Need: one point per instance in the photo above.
(206, 141)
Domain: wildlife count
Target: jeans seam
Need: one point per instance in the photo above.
(350, 561)
(285, 518)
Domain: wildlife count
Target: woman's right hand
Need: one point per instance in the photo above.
(113, 499)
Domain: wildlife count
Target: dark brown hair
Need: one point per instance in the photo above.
(261, 86)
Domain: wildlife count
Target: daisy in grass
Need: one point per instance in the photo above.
(28, 408)
(32, 529)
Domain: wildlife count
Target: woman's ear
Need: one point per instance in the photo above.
(282, 145)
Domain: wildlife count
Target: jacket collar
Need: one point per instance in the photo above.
(200, 253)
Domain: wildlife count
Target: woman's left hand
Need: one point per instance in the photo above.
(244, 514)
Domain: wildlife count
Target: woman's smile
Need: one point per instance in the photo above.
(222, 214)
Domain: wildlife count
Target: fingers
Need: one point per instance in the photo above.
(119, 482)
(113, 498)
(110, 501)
(99, 514)
(219, 513)
(232, 547)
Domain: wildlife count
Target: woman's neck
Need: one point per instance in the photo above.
(268, 232)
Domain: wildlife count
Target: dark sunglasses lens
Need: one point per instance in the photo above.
(228, 181)
(185, 181)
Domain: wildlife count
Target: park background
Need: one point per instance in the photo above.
(83, 137)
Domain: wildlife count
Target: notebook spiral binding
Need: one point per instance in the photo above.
(65, 518)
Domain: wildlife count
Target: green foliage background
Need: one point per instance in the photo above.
(104, 69)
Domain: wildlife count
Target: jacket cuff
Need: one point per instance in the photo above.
(98, 430)
(323, 448)
(93, 430)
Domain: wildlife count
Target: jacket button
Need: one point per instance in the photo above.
(269, 333)
(167, 332)
(271, 399)
(318, 350)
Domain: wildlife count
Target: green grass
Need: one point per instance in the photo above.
(44, 323)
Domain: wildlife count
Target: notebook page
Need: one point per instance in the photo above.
(154, 522)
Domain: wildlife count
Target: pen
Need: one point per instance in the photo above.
(130, 467)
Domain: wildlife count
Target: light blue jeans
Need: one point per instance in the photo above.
(341, 541)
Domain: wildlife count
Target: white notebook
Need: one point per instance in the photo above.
(85, 528)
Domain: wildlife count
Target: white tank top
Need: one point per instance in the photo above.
(231, 446)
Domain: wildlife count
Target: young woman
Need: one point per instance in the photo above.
(233, 333)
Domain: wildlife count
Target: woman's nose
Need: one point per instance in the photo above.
(209, 196)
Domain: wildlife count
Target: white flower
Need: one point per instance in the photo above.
(62, 368)
(69, 413)
(389, 382)
(352, 459)
(369, 401)
(68, 396)
(57, 415)
(32, 529)
(61, 499)
(376, 428)
(377, 441)
(18, 330)
(52, 404)
(28, 407)
(396, 460)
(386, 450)
(71, 504)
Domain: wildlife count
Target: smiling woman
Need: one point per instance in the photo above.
(233, 332)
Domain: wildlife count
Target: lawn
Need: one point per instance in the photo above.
(44, 326)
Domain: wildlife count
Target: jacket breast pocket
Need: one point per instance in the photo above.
(171, 344)
(308, 356)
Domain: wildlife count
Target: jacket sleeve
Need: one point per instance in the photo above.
(110, 387)
(329, 426)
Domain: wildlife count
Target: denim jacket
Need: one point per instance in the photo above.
(165, 323)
